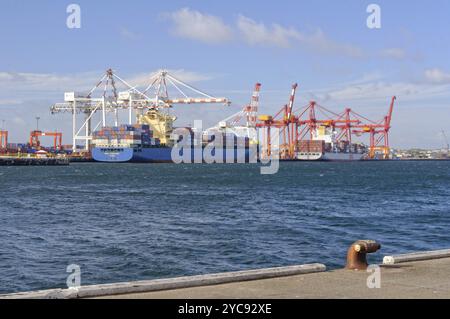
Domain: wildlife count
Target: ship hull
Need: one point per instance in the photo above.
(330, 157)
(342, 157)
(164, 155)
(112, 155)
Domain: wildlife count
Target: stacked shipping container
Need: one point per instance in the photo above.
(311, 146)
(125, 136)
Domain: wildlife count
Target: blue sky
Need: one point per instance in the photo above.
(225, 47)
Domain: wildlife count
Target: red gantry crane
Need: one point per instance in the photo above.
(308, 122)
(294, 129)
(35, 142)
(285, 121)
(378, 132)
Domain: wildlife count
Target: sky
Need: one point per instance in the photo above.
(224, 48)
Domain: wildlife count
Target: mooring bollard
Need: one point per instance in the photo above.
(356, 255)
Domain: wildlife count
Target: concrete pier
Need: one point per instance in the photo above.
(427, 278)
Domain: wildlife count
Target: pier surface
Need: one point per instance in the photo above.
(422, 279)
(409, 276)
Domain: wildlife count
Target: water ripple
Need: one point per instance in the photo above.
(133, 222)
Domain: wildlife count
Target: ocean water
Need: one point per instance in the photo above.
(125, 222)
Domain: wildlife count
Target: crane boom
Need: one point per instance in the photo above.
(159, 84)
(391, 110)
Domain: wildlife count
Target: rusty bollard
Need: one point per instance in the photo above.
(356, 255)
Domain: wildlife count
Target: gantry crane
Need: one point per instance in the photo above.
(347, 124)
(35, 142)
(285, 123)
(306, 124)
(378, 132)
(111, 100)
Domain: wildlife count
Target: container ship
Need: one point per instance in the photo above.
(126, 143)
(152, 141)
(324, 146)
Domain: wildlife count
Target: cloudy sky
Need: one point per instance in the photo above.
(224, 48)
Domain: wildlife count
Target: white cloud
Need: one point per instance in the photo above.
(318, 41)
(394, 53)
(195, 25)
(258, 33)
(19, 88)
(211, 29)
(437, 76)
(380, 91)
(19, 121)
(9, 102)
(129, 35)
(44, 81)
(255, 33)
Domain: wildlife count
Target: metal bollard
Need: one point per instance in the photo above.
(356, 255)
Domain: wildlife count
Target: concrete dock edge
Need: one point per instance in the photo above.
(166, 284)
(428, 255)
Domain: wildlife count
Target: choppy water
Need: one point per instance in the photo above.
(123, 222)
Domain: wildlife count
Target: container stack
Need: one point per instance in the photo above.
(125, 136)
(226, 139)
(311, 146)
(343, 147)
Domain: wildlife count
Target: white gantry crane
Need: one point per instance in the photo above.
(154, 96)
